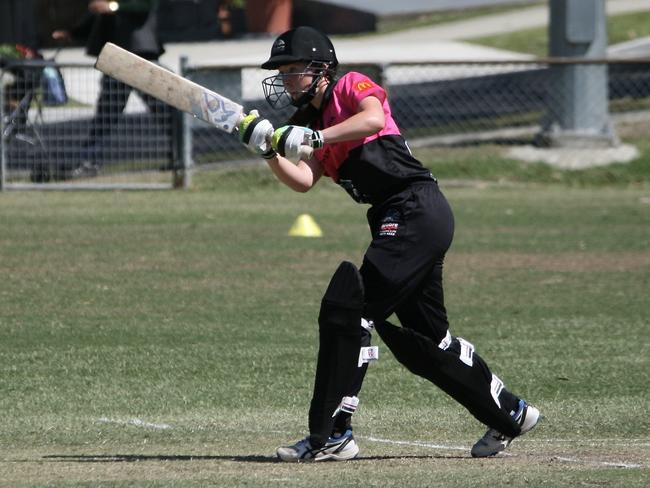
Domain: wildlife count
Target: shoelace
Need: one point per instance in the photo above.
(495, 434)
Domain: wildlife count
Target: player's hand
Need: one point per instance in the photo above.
(289, 140)
(100, 7)
(61, 35)
(255, 133)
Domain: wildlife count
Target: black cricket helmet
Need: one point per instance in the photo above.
(302, 44)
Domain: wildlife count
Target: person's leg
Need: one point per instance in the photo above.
(425, 347)
(339, 371)
(425, 313)
(342, 336)
(414, 290)
(341, 368)
(164, 119)
(111, 102)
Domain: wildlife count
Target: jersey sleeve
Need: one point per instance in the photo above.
(358, 86)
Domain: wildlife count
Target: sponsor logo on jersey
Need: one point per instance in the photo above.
(363, 85)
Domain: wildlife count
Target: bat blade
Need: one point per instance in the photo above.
(174, 90)
(169, 87)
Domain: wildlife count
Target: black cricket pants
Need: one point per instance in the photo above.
(402, 274)
(402, 268)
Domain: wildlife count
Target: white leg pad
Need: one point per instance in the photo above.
(495, 389)
(466, 351)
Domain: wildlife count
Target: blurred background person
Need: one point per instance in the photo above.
(268, 16)
(132, 25)
(18, 40)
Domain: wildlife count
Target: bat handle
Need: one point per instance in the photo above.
(305, 152)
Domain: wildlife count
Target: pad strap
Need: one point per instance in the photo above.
(349, 405)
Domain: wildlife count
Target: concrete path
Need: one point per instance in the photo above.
(391, 7)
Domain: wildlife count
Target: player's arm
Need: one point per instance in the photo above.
(367, 121)
(259, 137)
(300, 177)
(290, 140)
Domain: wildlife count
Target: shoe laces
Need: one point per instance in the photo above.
(339, 437)
(496, 435)
(302, 447)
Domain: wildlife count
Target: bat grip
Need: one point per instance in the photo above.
(305, 152)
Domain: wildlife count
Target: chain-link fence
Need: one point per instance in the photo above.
(544, 103)
(66, 125)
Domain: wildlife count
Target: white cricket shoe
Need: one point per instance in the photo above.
(335, 449)
(494, 441)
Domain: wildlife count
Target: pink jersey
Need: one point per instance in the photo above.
(343, 104)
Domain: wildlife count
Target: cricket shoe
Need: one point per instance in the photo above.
(335, 449)
(494, 441)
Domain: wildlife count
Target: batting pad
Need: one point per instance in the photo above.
(343, 350)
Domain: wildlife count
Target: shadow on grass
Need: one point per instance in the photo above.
(131, 458)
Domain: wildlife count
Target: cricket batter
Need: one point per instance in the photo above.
(348, 123)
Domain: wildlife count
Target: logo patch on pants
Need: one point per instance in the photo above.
(388, 229)
(390, 223)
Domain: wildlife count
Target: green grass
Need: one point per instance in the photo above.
(620, 28)
(194, 309)
(490, 163)
(405, 22)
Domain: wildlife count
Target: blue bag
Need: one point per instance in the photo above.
(53, 86)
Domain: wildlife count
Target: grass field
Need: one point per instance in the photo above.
(168, 338)
(620, 28)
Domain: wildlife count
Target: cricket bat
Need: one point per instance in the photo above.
(179, 92)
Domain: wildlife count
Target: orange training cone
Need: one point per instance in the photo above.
(305, 226)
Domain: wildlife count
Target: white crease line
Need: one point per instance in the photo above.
(136, 422)
(503, 454)
(415, 443)
(626, 442)
(597, 463)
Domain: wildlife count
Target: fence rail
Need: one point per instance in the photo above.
(87, 140)
(460, 102)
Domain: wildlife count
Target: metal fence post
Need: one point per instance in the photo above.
(383, 79)
(3, 152)
(183, 175)
(580, 114)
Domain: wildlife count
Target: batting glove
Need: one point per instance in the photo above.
(287, 140)
(254, 132)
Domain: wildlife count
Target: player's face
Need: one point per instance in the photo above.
(296, 78)
(293, 82)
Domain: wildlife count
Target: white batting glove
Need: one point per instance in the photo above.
(255, 133)
(288, 140)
